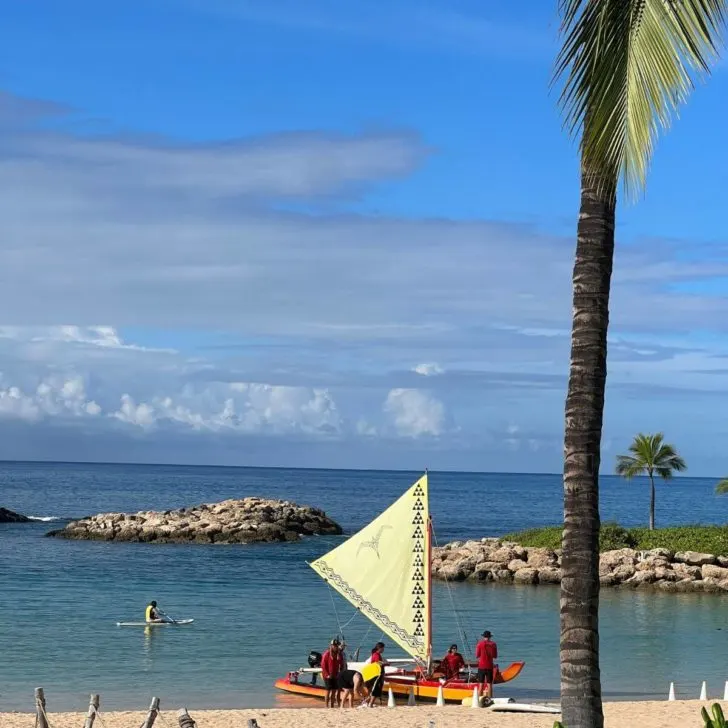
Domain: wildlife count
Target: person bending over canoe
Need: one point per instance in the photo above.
(485, 652)
(332, 664)
(351, 682)
(152, 614)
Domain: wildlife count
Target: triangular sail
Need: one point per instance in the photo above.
(384, 571)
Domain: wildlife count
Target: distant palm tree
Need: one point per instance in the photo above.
(722, 487)
(627, 66)
(651, 456)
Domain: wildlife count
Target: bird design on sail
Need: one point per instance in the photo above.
(373, 544)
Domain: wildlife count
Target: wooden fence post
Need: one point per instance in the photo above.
(185, 720)
(152, 715)
(93, 706)
(40, 704)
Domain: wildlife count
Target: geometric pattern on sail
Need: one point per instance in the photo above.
(383, 570)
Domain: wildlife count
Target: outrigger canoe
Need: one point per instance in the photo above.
(384, 570)
(306, 682)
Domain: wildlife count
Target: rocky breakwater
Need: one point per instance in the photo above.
(7, 516)
(248, 520)
(492, 560)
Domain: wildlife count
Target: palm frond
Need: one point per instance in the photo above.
(722, 487)
(626, 66)
(650, 454)
(666, 457)
(629, 467)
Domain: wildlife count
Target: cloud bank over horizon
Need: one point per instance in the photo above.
(251, 313)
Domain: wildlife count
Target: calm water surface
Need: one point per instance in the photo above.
(259, 609)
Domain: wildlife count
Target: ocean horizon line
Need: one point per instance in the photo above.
(410, 471)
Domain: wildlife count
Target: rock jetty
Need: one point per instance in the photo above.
(7, 516)
(248, 520)
(493, 560)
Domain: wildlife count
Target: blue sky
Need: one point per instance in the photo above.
(331, 234)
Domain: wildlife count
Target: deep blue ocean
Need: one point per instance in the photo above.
(259, 609)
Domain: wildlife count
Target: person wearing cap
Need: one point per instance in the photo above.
(452, 663)
(486, 651)
(332, 664)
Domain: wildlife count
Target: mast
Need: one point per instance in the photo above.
(429, 581)
(429, 594)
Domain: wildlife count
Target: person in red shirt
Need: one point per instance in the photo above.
(332, 663)
(452, 663)
(485, 652)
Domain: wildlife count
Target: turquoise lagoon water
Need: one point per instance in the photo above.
(259, 609)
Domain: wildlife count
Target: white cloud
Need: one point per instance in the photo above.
(430, 369)
(245, 408)
(94, 336)
(415, 413)
(194, 237)
(142, 415)
(53, 397)
(47, 370)
(300, 323)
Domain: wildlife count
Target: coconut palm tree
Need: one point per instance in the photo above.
(651, 456)
(626, 65)
(722, 487)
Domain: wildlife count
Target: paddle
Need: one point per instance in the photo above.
(164, 614)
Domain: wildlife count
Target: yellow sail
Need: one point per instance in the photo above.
(384, 571)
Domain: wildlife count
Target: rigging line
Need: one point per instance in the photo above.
(461, 630)
(336, 613)
(353, 617)
(366, 634)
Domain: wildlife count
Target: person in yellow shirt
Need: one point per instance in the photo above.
(152, 614)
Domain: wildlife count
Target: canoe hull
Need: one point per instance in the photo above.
(400, 683)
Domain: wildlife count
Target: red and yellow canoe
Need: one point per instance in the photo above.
(400, 682)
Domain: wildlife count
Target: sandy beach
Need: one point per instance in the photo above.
(663, 714)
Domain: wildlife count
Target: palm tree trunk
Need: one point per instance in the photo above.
(652, 503)
(581, 694)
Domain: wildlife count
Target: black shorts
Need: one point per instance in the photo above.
(376, 686)
(331, 683)
(485, 675)
(346, 680)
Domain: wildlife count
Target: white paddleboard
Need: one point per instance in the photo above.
(525, 708)
(155, 624)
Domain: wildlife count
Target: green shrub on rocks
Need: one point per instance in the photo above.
(613, 536)
(704, 539)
